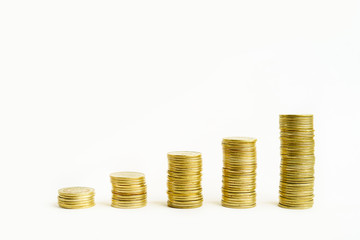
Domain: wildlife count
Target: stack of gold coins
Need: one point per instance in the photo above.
(297, 161)
(184, 179)
(76, 197)
(129, 190)
(239, 172)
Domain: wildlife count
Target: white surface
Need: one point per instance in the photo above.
(92, 87)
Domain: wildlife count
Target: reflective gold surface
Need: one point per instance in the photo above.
(184, 179)
(297, 161)
(239, 172)
(76, 197)
(128, 189)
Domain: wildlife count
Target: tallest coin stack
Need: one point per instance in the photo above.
(297, 161)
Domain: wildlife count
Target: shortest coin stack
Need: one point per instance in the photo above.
(76, 197)
(129, 190)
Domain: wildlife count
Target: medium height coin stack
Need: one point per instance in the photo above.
(184, 179)
(297, 161)
(239, 172)
(129, 190)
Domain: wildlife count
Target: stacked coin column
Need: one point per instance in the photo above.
(297, 161)
(184, 180)
(239, 172)
(76, 197)
(129, 190)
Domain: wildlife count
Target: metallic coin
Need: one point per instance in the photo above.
(76, 206)
(127, 175)
(237, 205)
(184, 205)
(76, 198)
(185, 154)
(117, 204)
(76, 191)
(304, 206)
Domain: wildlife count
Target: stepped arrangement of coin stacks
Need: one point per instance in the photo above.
(297, 161)
(296, 189)
(184, 179)
(128, 189)
(76, 197)
(239, 172)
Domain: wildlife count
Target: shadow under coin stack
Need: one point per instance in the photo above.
(184, 179)
(297, 161)
(239, 172)
(76, 197)
(129, 190)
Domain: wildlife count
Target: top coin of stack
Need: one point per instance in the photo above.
(129, 190)
(239, 172)
(76, 197)
(297, 161)
(184, 179)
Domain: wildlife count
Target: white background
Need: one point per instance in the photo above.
(92, 87)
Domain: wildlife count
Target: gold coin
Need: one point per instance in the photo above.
(185, 205)
(128, 206)
(127, 175)
(76, 207)
(76, 191)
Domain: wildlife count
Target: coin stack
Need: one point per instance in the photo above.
(239, 172)
(184, 179)
(129, 190)
(297, 161)
(76, 197)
